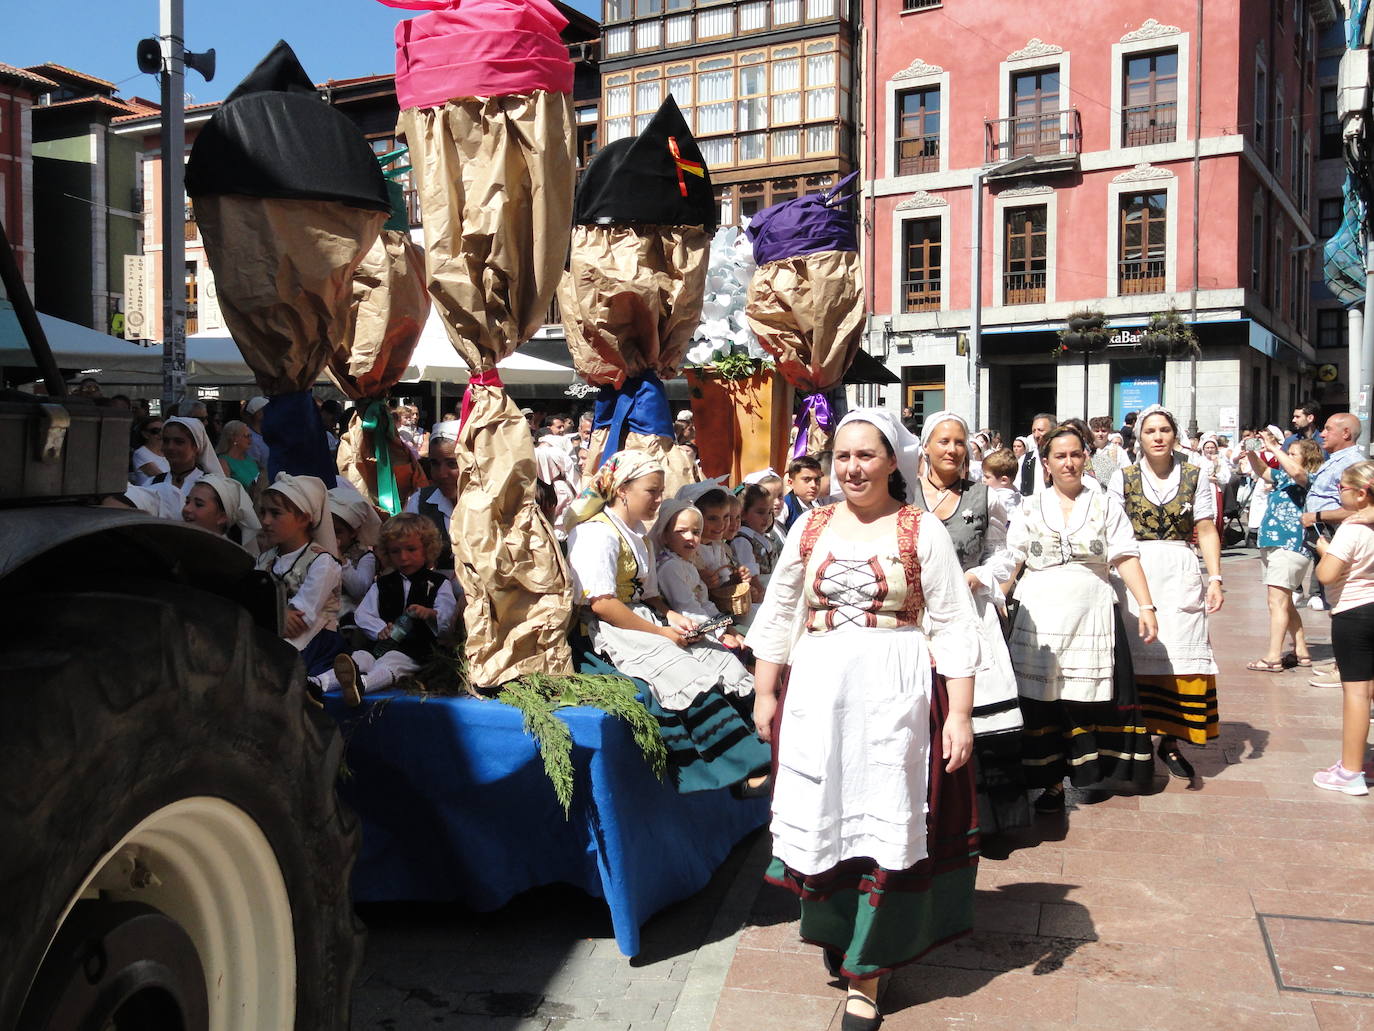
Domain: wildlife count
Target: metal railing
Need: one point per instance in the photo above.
(1149, 123)
(920, 295)
(1044, 134)
(1023, 288)
(919, 5)
(1140, 276)
(916, 154)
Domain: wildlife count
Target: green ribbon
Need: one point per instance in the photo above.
(377, 419)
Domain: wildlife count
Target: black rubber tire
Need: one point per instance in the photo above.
(113, 705)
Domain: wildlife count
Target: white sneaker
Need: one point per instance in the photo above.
(1297, 599)
(1316, 603)
(1335, 778)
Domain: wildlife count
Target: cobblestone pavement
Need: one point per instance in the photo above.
(1244, 900)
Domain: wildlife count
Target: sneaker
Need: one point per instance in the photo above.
(1325, 680)
(346, 671)
(1317, 603)
(1326, 668)
(1335, 778)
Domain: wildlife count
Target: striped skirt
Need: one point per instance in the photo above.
(1184, 707)
(711, 743)
(1090, 743)
(878, 919)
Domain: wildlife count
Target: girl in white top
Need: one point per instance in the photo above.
(356, 530)
(1347, 570)
(190, 455)
(676, 537)
(147, 461)
(302, 555)
(221, 505)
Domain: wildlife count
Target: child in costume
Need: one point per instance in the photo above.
(404, 613)
(676, 537)
(755, 539)
(356, 528)
(999, 473)
(301, 554)
(221, 505)
(804, 478)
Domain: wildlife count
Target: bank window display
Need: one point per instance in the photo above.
(921, 251)
(918, 131)
(1025, 256)
(1149, 102)
(1140, 265)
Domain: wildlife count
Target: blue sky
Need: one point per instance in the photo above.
(335, 39)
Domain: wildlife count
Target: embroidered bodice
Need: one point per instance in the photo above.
(867, 584)
(1170, 520)
(1084, 540)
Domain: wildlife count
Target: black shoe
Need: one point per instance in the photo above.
(1173, 760)
(854, 1022)
(1051, 801)
(743, 789)
(833, 961)
(314, 695)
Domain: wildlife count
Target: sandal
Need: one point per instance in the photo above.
(1261, 666)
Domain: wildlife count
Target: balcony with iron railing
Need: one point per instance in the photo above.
(920, 295)
(917, 154)
(1052, 138)
(920, 5)
(1147, 124)
(718, 21)
(1023, 287)
(1140, 276)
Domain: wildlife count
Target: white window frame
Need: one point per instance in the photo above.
(1025, 199)
(1137, 181)
(931, 207)
(1049, 57)
(1179, 41)
(920, 78)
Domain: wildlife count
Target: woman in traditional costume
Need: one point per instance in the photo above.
(1078, 698)
(873, 817)
(699, 692)
(1167, 498)
(977, 523)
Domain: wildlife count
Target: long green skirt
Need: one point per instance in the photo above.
(880, 919)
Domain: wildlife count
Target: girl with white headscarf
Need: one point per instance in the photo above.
(976, 519)
(301, 554)
(356, 528)
(874, 825)
(190, 455)
(221, 505)
(698, 689)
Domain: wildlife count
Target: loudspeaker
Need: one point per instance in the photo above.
(149, 55)
(203, 63)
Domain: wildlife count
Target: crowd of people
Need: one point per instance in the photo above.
(906, 641)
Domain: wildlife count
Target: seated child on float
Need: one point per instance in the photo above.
(404, 613)
(676, 538)
(755, 545)
(356, 528)
(804, 480)
(220, 505)
(300, 553)
(436, 503)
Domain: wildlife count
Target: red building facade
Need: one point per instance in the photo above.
(19, 90)
(1136, 159)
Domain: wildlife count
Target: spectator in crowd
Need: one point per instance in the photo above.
(330, 415)
(122, 401)
(234, 442)
(1032, 478)
(1127, 432)
(147, 460)
(1107, 457)
(88, 387)
(1323, 509)
(194, 408)
(252, 415)
(1304, 424)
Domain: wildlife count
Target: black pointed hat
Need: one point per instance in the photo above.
(657, 178)
(274, 137)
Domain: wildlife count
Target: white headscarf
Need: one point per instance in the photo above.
(145, 499)
(667, 512)
(346, 502)
(446, 431)
(238, 507)
(206, 459)
(690, 492)
(620, 469)
(309, 494)
(928, 428)
(905, 447)
(761, 475)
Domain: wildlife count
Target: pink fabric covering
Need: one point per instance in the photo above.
(479, 48)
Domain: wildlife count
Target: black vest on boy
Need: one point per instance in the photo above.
(392, 601)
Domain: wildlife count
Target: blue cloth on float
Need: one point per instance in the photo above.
(640, 405)
(295, 437)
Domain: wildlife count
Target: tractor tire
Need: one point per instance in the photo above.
(158, 759)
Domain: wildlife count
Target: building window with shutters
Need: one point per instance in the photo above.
(1330, 143)
(918, 131)
(1149, 104)
(1331, 327)
(1026, 256)
(1330, 215)
(1036, 114)
(1144, 225)
(921, 260)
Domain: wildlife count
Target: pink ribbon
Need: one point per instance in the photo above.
(490, 378)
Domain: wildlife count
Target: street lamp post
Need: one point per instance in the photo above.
(173, 205)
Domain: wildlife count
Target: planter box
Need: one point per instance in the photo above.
(742, 424)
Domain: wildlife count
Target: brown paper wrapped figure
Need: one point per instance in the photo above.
(484, 88)
(390, 305)
(289, 198)
(806, 301)
(631, 298)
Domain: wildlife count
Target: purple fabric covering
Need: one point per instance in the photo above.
(807, 225)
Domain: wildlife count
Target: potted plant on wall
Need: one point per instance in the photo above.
(1087, 332)
(1168, 335)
